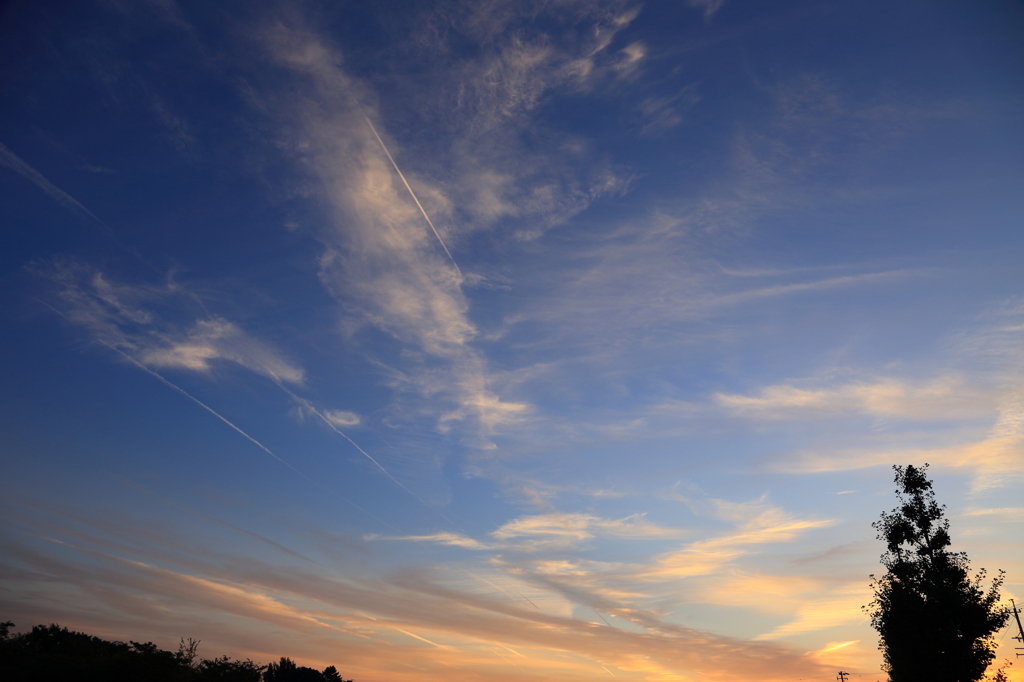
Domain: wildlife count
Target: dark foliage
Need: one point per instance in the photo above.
(287, 671)
(55, 654)
(935, 622)
(226, 670)
(331, 674)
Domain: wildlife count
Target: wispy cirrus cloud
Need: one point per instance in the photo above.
(545, 532)
(124, 318)
(944, 398)
(985, 407)
(657, 272)
(994, 460)
(490, 104)
(839, 606)
(381, 259)
(159, 326)
(709, 6)
(544, 550)
(219, 339)
(757, 524)
(342, 418)
(446, 538)
(572, 528)
(129, 574)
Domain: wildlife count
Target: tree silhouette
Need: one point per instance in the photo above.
(287, 671)
(55, 654)
(331, 674)
(224, 669)
(934, 621)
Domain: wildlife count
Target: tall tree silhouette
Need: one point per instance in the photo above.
(935, 622)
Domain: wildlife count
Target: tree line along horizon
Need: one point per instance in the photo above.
(936, 622)
(51, 653)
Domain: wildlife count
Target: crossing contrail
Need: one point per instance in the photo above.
(185, 393)
(258, 444)
(203, 405)
(250, 438)
(166, 500)
(411, 193)
(492, 584)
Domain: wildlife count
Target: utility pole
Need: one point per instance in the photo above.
(842, 676)
(1020, 630)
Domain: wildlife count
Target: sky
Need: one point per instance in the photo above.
(506, 340)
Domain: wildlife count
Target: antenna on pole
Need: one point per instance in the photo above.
(841, 676)
(1020, 630)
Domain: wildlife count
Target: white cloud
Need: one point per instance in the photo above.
(158, 326)
(217, 339)
(839, 606)
(629, 58)
(489, 103)
(996, 513)
(572, 528)
(248, 605)
(944, 398)
(994, 458)
(381, 260)
(762, 524)
(342, 418)
(993, 461)
(709, 6)
(551, 531)
(442, 538)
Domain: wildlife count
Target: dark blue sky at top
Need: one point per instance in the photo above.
(81, 88)
(145, 123)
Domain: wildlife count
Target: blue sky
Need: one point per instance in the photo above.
(438, 340)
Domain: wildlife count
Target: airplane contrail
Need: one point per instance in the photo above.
(506, 659)
(185, 393)
(20, 166)
(253, 440)
(424, 639)
(166, 500)
(492, 584)
(243, 433)
(11, 160)
(411, 193)
(203, 405)
(309, 406)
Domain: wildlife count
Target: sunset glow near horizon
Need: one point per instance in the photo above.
(505, 340)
